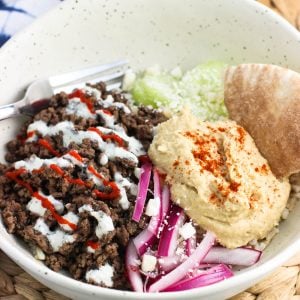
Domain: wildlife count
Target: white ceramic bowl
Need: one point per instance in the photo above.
(168, 32)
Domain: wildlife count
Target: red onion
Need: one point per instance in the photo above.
(145, 286)
(208, 277)
(168, 240)
(156, 220)
(205, 266)
(132, 267)
(168, 263)
(156, 182)
(191, 244)
(165, 201)
(182, 270)
(165, 205)
(148, 236)
(142, 191)
(217, 255)
(143, 241)
(239, 256)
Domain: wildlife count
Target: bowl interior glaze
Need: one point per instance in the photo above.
(167, 32)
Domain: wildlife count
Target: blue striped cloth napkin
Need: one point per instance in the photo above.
(16, 14)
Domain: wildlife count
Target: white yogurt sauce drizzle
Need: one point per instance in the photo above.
(102, 276)
(72, 218)
(35, 163)
(111, 150)
(122, 184)
(105, 223)
(56, 238)
(76, 107)
(109, 120)
(109, 101)
(70, 134)
(35, 206)
(94, 178)
(134, 146)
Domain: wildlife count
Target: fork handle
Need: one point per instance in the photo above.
(8, 111)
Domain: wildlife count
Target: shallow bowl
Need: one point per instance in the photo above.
(168, 32)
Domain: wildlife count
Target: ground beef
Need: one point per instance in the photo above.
(74, 257)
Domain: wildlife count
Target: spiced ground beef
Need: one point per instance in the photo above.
(14, 197)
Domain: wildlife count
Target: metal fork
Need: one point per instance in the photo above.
(38, 93)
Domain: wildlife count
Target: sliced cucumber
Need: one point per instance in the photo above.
(200, 88)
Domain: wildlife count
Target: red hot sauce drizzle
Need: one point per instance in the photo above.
(115, 192)
(44, 143)
(107, 112)
(76, 155)
(84, 99)
(29, 135)
(87, 101)
(13, 175)
(45, 202)
(111, 136)
(93, 245)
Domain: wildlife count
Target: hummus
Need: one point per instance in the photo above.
(219, 178)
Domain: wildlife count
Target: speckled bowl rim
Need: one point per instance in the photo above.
(39, 270)
(65, 281)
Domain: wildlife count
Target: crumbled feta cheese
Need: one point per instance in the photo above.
(148, 263)
(187, 230)
(152, 208)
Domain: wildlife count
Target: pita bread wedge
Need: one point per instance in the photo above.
(265, 100)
